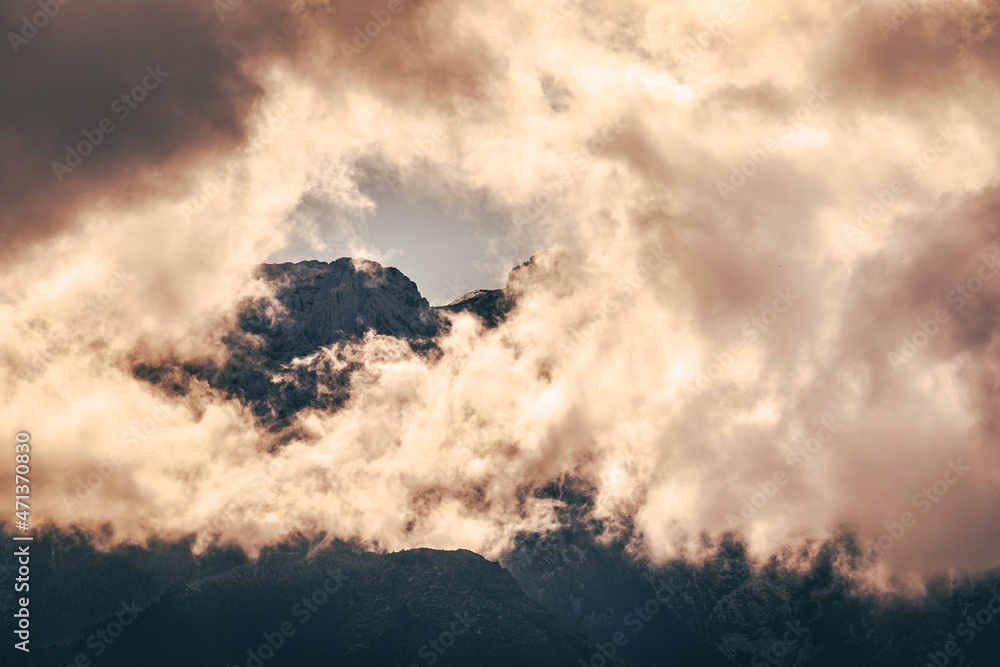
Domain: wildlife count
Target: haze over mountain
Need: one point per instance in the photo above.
(804, 609)
(272, 365)
(575, 591)
(757, 346)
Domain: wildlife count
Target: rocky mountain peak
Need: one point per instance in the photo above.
(325, 302)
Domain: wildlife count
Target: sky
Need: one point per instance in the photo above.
(766, 237)
(445, 254)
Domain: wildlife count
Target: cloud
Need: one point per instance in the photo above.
(671, 349)
(73, 72)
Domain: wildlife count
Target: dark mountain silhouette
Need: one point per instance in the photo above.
(325, 303)
(559, 598)
(585, 595)
(317, 306)
(803, 611)
(490, 305)
(294, 605)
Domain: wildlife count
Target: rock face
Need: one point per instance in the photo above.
(317, 305)
(325, 303)
(490, 305)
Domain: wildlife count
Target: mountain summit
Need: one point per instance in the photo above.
(316, 306)
(323, 303)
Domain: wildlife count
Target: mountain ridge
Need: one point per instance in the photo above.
(301, 604)
(315, 305)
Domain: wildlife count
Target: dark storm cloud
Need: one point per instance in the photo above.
(945, 261)
(65, 78)
(892, 52)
